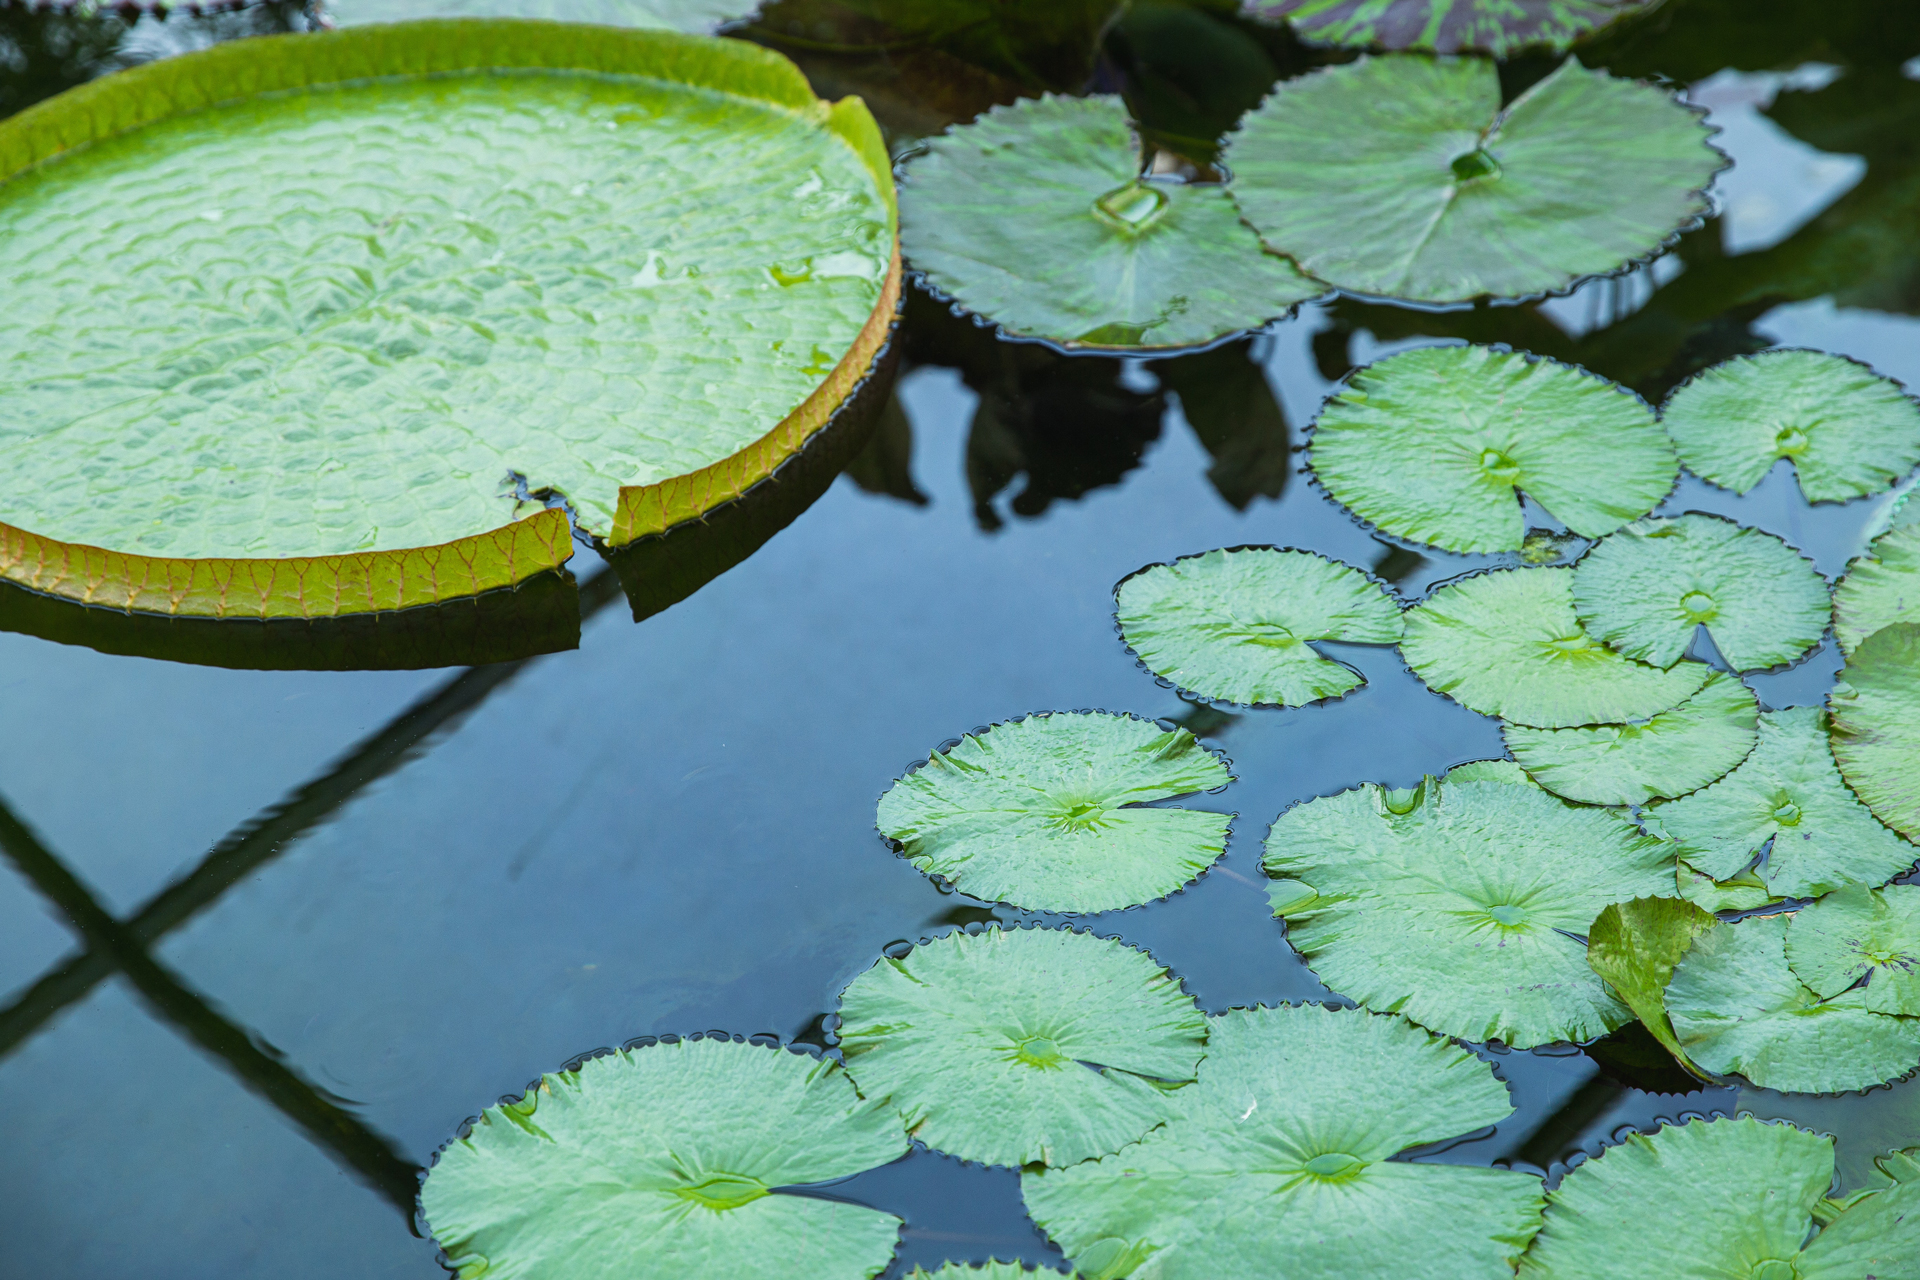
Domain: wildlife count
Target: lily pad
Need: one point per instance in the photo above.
(1857, 933)
(1036, 216)
(1042, 812)
(1645, 589)
(1021, 1045)
(1743, 892)
(1279, 1162)
(1238, 624)
(1506, 643)
(1499, 27)
(697, 17)
(413, 274)
(1675, 752)
(1847, 430)
(1460, 904)
(1432, 445)
(1881, 588)
(1403, 176)
(992, 1269)
(662, 1160)
(1634, 946)
(1876, 725)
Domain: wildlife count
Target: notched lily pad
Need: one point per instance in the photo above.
(1634, 945)
(1881, 588)
(1858, 933)
(1499, 27)
(1876, 725)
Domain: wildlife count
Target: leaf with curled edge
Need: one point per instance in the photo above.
(1634, 945)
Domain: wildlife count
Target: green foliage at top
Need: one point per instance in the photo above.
(1634, 946)
(698, 17)
(1499, 27)
(1858, 933)
(1875, 708)
(1881, 588)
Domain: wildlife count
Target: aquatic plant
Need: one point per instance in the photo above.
(1858, 935)
(1881, 587)
(1498, 27)
(1875, 710)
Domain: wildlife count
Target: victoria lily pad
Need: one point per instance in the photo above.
(1461, 904)
(1022, 1045)
(1431, 445)
(698, 17)
(661, 1160)
(1847, 430)
(1042, 812)
(1634, 946)
(1646, 588)
(1881, 588)
(1498, 27)
(1279, 1163)
(416, 277)
(1403, 176)
(1876, 725)
(1237, 624)
(1857, 933)
(1506, 643)
(1036, 217)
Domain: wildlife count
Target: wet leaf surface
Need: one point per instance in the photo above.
(1876, 725)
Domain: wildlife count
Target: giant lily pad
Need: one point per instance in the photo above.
(1646, 588)
(1847, 430)
(1881, 588)
(1460, 904)
(1431, 445)
(1279, 1163)
(1499, 27)
(661, 1160)
(1022, 1045)
(1876, 725)
(1858, 933)
(1403, 176)
(1237, 624)
(698, 17)
(1042, 812)
(1036, 217)
(1506, 643)
(1634, 946)
(412, 274)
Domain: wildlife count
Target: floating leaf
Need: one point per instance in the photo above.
(1499, 27)
(1675, 752)
(1279, 1162)
(1506, 643)
(1634, 946)
(697, 17)
(1039, 812)
(1881, 588)
(1237, 624)
(1743, 892)
(1645, 589)
(1876, 725)
(1022, 1045)
(1036, 217)
(1431, 445)
(1847, 430)
(1459, 904)
(1404, 177)
(661, 1160)
(1857, 933)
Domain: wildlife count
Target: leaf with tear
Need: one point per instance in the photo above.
(1875, 709)
(1858, 933)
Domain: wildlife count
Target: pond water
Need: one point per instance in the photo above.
(267, 938)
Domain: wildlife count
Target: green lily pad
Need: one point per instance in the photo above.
(1432, 444)
(1022, 1045)
(1857, 933)
(1737, 1008)
(1506, 643)
(1459, 904)
(1677, 751)
(1279, 1162)
(1646, 588)
(1848, 430)
(1237, 624)
(696, 17)
(661, 1160)
(1041, 812)
(1881, 588)
(412, 273)
(1876, 725)
(1743, 892)
(1634, 945)
(1499, 27)
(1404, 177)
(1036, 217)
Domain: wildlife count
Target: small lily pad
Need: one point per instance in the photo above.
(1634, 946)
(1881, 588)
(1036, 216)
(1499, 27)
(1848, 430)
(1677, 751)
(1237, 624)
(1042, 813)
(1279, 1163)
(1857, 933)
(1403, 176)
(1506, 643)
(1021, 1045)
(1645, 589)
(662, 1160)
(1433, 445)
(1876, 725)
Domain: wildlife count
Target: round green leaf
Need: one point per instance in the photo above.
(1675, 752)
(1646, 588)
(1506, 643)
(1499, 27)
(1036, 217)
(1404, 177)
(1022, 1045)
(1278, 1163)
(660, 1161)
(1237, 624)
(1858, 933)
(1881, 588)
(1461, 904)
(1848, 430)
(1876, 725)
(697, 17)
(1041, 812)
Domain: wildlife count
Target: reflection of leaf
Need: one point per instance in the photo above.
(885, 465)
(1227, 400)
(700, 17)
(1858, 933)
(1634, 946)
(1498, 27)
(1876, 725)
(1882, 587)
(1190, 73)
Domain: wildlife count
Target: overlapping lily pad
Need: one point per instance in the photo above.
(1403, 176)
(1744, 891)
(1237, 624)
(1499, 27)
(662, 1160)
(1040, 812)
(1876, 725)
(1279, 1163)
(698, 17)
(1634, 947)
(1022, 1045)
(1859, 933)
(1881, 588)
(1434, 444)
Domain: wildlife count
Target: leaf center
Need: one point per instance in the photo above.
(1084, 815)
(1497, 464)
(1787, 813)
(1270, 634)
(1475, 166)
(1335, 1166)
(1573, 646)
(1039, 1051)
(1790, 440)
(723, 1191)
(1508, 915)
(1772, 1269)
(1134, 207)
